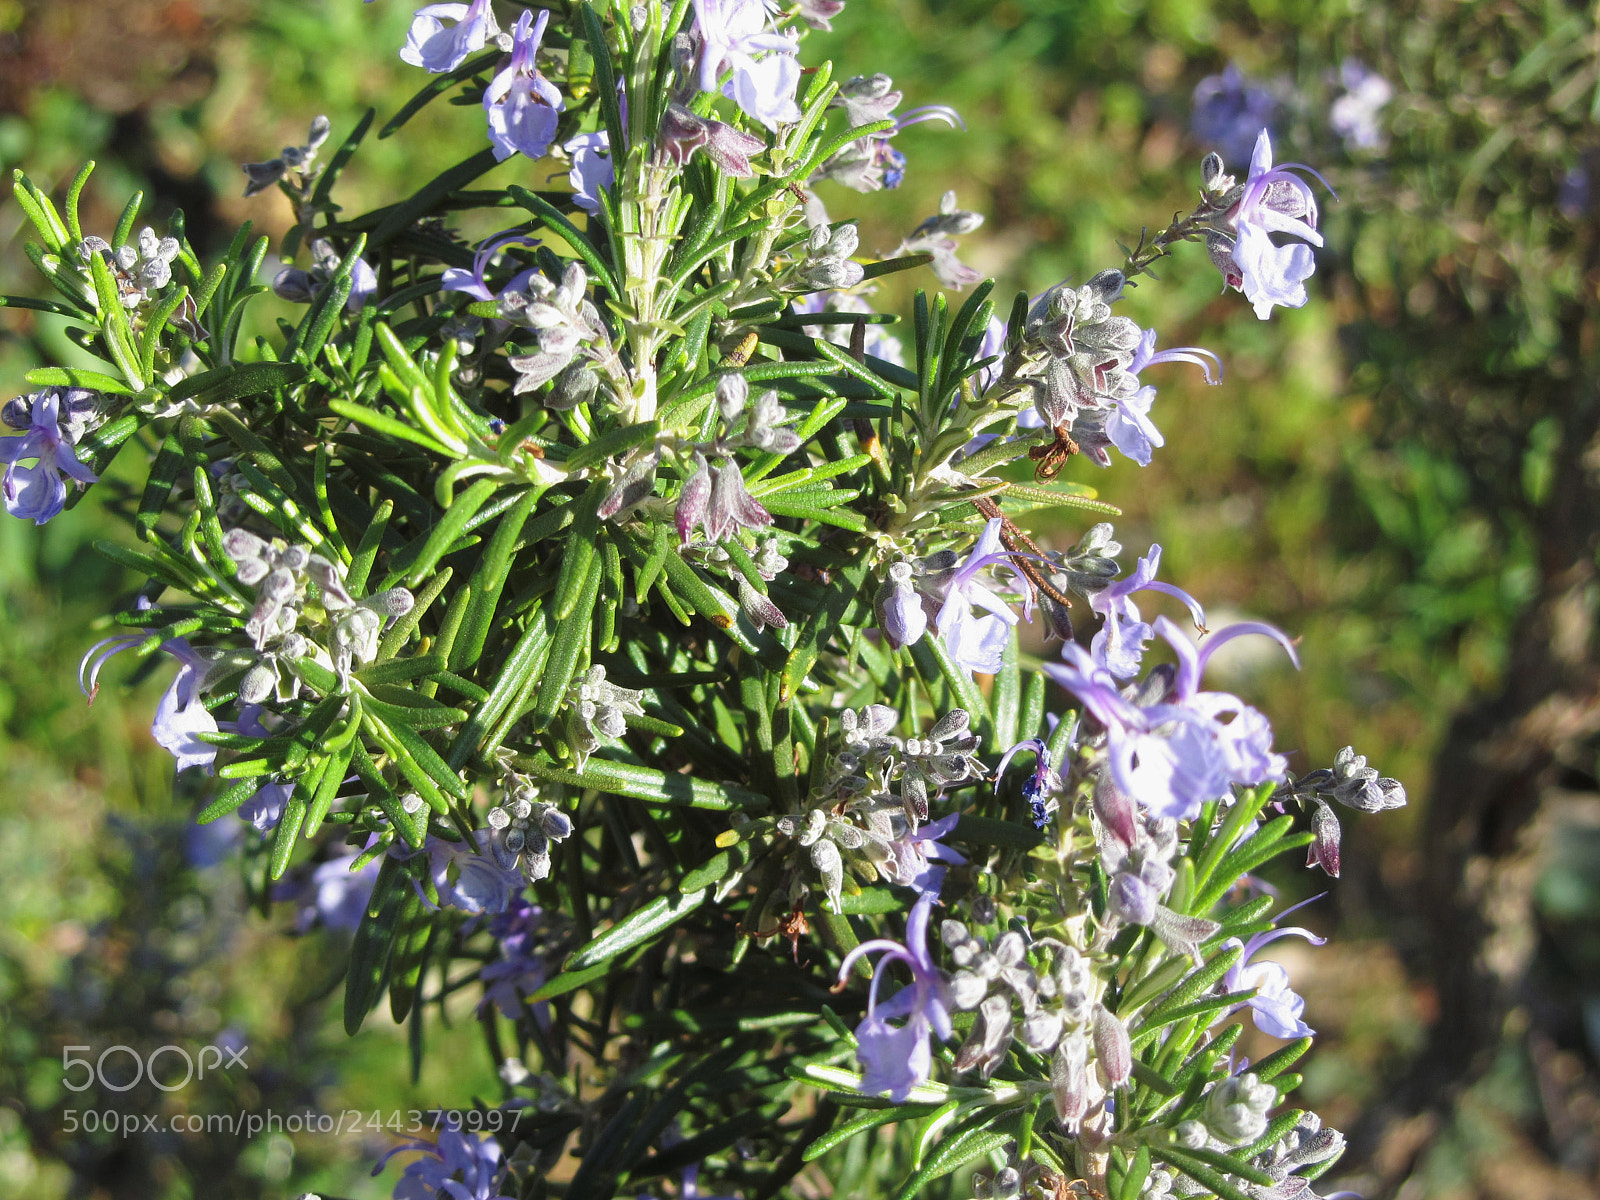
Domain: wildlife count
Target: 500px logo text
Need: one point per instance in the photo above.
(79, 1074)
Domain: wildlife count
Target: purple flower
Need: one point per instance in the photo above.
(432, 45)
(1229, 109)
(1354, 115)
(901, 614)
(1037, 787)
(522, 970)
(302, 287)
(592, 169)
(914, 857)
(480, 884)
(1128, 425)
(1273, 201)
(181, 714)
(1119, 645)
(682, 133)
(732, 33)
(521, 104)
(894, 1061)
(720, 501)
(38, 493)
(974, 643)
(1276, 1007)
(459, 279)
(462, 1166)
(1186, 747)
(332, 895)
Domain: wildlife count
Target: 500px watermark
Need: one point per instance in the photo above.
(126, 1059)
(249, 1124)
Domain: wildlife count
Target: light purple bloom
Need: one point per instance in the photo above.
(914, 857)
(732, 33)
(1274, 201)
(1185, 749)
(522, 970)
(436, 47)
(459, 279)
(38, 493)
(1119, 645)
(975, 643)
(1228, 111)
(894, 1061)
(480, 884)
(1128, 425)
(1276, 1007)
(592, 169)
(901, 614)
(302, 287)
(181, 714)
(462, 1166)
(1037, 787)
(521, 104)
(1354, 115)
(332, 896)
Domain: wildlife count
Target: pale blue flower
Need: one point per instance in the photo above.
(462, 1166)
(437, 47)
(38, 493)
(1228, 111)
(459, 279)
(975, 643)
(732, 33)
(1186, 747)
(592, 169)
(468, 877)
(1274, 201)
(894, 1061)
(1276, 1007)
(181, 714)
(520, 103)
(1119, 645)
(1354, 115)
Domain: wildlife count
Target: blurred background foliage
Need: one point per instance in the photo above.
(1403, 473)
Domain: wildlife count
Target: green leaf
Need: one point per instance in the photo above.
(646, 783)
(870, 1119)
(76, 377)
(644, 925)
(569, 233)
(574, 635)
(436, 87)
(955, 1151)
(370, 953)
(428, 198)
(610, 445)
(1208, 1168)
(890, 266)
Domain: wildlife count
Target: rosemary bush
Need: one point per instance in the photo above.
(617, 623)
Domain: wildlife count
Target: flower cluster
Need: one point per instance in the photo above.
(53, 421)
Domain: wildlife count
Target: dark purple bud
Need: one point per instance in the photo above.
(731, 149)
(1324, 851)
(694, 500)
(1112, 1048)
(991, 1035)
(760, 609)
(637, 482)
(1117, 812)
(682, 133)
